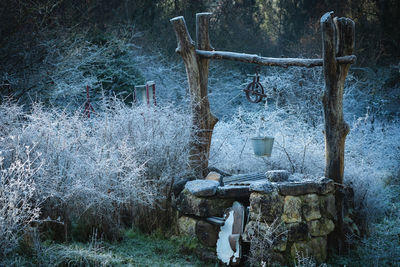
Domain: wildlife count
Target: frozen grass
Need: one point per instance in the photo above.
(91, 171)
(136, 249)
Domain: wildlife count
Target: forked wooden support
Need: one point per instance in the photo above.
(338, 45)
(197, 73)
(338, 36)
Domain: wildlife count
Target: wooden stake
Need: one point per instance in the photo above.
(337, 40)
(197, 73)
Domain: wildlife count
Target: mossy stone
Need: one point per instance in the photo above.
(292, 209)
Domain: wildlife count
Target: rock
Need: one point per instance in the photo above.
(266, 207)
(202, 188)
(262, 187)
(297, 231)
(233, 191)
(179, 186)
(214, 176)
(296, 177)
(201, 207)
(187, 225)
(310, 207)
(321, 186)
(207, 233)
(213, 169)
(316, 248)
(277, 175)
(327, 205)
(321, 227)
(298, 188)
(292, 209)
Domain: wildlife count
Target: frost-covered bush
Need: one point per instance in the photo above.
(19, 205)
(93, 169)
(297, 147)
(110, 62)
(293, 115)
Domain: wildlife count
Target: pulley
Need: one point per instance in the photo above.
(254, 90)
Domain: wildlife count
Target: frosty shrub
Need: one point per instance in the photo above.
(262, 242)
(293, 115)
(19, 205)
(297, 147)
(94, 169)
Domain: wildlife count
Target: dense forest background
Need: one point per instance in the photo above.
(272, 27)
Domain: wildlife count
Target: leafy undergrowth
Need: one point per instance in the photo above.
(136, 249)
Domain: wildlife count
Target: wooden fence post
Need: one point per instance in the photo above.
(197, 72)
(337, 40)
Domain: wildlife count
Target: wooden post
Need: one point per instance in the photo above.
(337, 41)
(197, 73)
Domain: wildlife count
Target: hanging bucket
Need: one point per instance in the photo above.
(262, 145)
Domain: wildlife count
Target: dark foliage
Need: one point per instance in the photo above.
(283, 27)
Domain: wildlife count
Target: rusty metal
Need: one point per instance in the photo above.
(254, 90)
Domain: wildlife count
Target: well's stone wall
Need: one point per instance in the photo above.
(300, 214)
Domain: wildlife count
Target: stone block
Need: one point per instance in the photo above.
(327, 205)
(266, 207)
(179, 185)
(316, 248)
(214, 176)
(277, 175)
(187, 225)
(321, 227)
(207, 233)
(298, 188)
(189, 204)
(310, 207)
(297, 231)
(233, 191)
(265, 187)
(292, 209)
(202, 188)
(321, 186)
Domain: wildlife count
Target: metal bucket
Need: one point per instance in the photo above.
(262, 145)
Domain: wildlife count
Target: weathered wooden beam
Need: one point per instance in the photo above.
(203, 120)
(269, 61)
(206, 120)
(337, 41)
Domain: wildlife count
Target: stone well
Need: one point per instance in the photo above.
(302, 212)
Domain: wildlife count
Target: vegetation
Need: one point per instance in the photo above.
(135, 249)
(70, 185)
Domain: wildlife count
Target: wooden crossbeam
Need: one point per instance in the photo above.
(270, 61)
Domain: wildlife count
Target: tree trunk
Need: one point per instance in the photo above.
(338, 41)
(197, 73)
